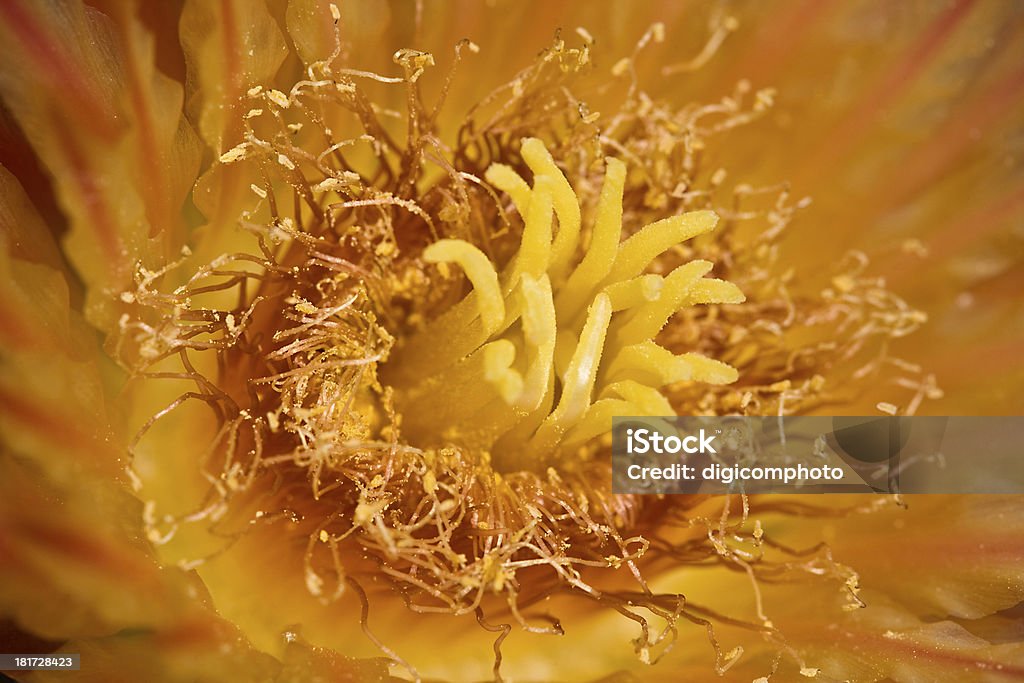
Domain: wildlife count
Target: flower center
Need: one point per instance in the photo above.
(410, 349)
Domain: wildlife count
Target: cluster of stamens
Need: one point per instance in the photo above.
(444, 421)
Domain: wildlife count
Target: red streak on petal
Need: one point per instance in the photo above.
(50, 425)
(227, 11)
(87, 550)
(968, 229)
(15, 333)
(776, 43)
(950, 142)
(852, 128)
(915, 651)
(91, 196)
(8, 559)
(157, 209)
(196, 633)
(233, 71)
(1000, 357)
(69, 87)
(958, 233)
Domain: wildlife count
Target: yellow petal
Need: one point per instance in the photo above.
(229, 48)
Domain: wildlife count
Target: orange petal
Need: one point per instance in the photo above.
(27, 236)
(958, 556)
(108, 128)
(51, 391)
(70, 561)
(886, 642)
